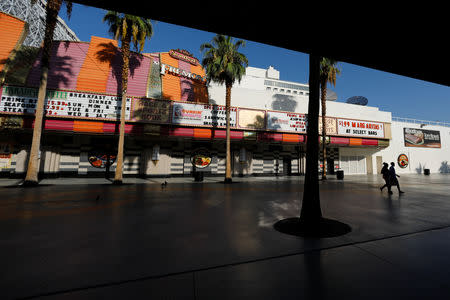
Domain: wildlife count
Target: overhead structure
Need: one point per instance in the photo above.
(390, 40)
(34, 15)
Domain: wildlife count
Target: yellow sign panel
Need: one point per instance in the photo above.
(330, 124)
(251, 119)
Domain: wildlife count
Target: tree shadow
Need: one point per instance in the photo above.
(27, 61)
(420, 168)
(259, 123)
(111, 54)
(18, 65)
(284, 103)
(324, 228)
(60, 69)
(444, 168)
(188, 91)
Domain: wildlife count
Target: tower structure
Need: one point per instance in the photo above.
(34, 15)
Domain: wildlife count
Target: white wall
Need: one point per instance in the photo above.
(261, 99)
(435, 159)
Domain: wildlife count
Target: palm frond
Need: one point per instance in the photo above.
(222, 61)
(121, 25)
(68, 8)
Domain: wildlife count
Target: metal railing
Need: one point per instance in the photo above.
(420, 122)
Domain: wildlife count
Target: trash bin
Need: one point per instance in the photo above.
(198, 176)
(340, 174)
(426, 171)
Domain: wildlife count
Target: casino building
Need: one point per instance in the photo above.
(174, 120)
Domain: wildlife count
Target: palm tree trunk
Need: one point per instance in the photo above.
(228, 150)
(52, 10)
(323, 88)
(311, 212)
(120, 149)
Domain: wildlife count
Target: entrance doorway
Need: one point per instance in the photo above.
(330, 166)
(379, 161)
(287, 166)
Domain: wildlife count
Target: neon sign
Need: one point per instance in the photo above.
(180, 72)
(184, 56)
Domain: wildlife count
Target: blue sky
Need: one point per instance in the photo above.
(403, 96)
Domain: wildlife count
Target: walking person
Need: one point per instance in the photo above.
(386, 177)
(393, 177)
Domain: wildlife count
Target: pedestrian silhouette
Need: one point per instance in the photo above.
(386, 177)
(393, 177)
(164, 184)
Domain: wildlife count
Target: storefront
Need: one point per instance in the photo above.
(171, 120)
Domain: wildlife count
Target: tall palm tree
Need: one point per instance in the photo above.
(311, 222)
(52, 9)
(311, 213)
(224, 64)
(328, 73)
(127, 29)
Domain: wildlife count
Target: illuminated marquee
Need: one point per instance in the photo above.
(19, 100)
(360, 128)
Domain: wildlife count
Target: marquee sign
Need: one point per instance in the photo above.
(286, 121)
(149, 110)
(201, 115)
(360, 128)
(17, 101)
(330, 126)
(251, 119)
(184, 56)
(180, 72)
(21, 100)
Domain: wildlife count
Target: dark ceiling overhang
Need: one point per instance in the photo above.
(406, 42)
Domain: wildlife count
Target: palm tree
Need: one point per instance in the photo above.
(328, 73)
(224, 64)
(311, 213)
(128, 29)
(311, 221)
(52, 9)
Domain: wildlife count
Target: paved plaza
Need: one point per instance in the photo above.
(87, 239)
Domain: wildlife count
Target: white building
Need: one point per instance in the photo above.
(263, 89)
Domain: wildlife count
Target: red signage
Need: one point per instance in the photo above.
(184, 56)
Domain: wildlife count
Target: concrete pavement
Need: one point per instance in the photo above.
(87, 239)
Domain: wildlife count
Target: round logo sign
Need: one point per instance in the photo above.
(201, 158)
(100, 160)
(403, 161)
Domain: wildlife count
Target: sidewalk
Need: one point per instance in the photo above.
(190, 240)
(151, 180)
